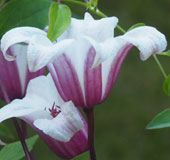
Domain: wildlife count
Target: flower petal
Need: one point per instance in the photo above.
(68, 72)
(16, 108)
(22, 67)
(64, 125)
(41, 51)
(41, 94)
(18, 35)
(147, 39)
(43, 89)
(10, 85)
(99, 30)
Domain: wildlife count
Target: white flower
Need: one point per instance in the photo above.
(85, 60)
(44, 109)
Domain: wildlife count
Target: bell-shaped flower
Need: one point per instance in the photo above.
(14, 76)
(85, 60)
(57, 122)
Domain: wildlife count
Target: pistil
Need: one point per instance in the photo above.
(55, 110)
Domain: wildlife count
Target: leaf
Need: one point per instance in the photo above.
(59, 20)
(14, 151)
(166, 53)
(162, 120)
(84, 156)
(24, 13)
(5, 132)
(135, 26)
(166, 85)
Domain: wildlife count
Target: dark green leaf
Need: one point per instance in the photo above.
(24, 13)
(166, 85)
(14, 150)
(135, 26)
(5, 132)
(59, 20)
(162, 120)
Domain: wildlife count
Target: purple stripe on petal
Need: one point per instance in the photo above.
(9, 76)
(92, 80)
(66, 150)
(55, 79)
(115, 68)
(67, 81)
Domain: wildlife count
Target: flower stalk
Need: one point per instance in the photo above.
(160, 66)
(90, 118)
(22, 139)
(19, 132)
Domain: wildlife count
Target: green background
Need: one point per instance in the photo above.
(136, 97)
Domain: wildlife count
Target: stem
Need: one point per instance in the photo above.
(24, 145)
(90, 118)
(19, 132)
(159, 65)
(24, 128)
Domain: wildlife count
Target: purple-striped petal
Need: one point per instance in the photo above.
(14, 75)
(66, 150)
(113, 67)
(92, 80)
(66, 80)
(65, 133)
(9, 79)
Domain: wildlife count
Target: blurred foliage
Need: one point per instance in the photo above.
(14, 151)
(136, 97)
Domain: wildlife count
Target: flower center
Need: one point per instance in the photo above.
(55, 110)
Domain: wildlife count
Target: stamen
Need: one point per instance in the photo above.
(55, 110)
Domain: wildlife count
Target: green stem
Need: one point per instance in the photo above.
(75, 2)
(159, 65)
(102, 15)
(93, 10)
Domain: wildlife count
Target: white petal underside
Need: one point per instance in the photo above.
(18, 35)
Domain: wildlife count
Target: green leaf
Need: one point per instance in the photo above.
(162, 120)
(59, 20)
(14, 151)
(135, 26)
(24, 13)
(84, 156)
(166, 53)
(5, 132)
(166, 85)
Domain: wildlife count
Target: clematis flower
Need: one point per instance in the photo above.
(14, 76)
(86, 59)
(57, 122)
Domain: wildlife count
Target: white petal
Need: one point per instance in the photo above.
(18, 35)
(21, 62)
(41, 94)
(16, 108)
(64, 126)
(87, 16)
(42, 91)
(99, 30)
(147, 39)
(41, 51)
